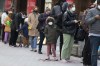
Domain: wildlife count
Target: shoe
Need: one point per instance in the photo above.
(35, 50)
(40, 52)
(5, 42)
(85, 65)
(15, 45)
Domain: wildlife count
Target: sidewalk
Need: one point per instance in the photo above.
(11, 56)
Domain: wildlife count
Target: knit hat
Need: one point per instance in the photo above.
(98, 1)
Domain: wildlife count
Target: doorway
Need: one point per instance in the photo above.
(21, 6)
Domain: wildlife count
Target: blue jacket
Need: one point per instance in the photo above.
(25, 30)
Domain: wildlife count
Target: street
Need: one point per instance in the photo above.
(11, 56)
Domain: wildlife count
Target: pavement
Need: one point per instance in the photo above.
(11, 56)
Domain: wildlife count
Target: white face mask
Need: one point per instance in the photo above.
(50, 23)
(98, 6)
(72, 9)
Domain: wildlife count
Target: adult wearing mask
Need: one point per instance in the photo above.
(3, 17)
(33, 31)
(14, 28)
(69, 29)
(42, 22)
(86, 53)
(93, 20)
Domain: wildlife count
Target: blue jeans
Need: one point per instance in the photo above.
(33, 42)
(95, 42)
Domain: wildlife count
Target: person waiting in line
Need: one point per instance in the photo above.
(69, 29)
(42, 18)
(3, 17)
(93, 20)
(7, 29)
(51, 37)
(33, 31)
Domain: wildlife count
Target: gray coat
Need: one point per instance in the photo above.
(94, 25)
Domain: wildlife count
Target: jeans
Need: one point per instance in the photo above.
(42, 36)
(95, 42)
(33, 41)
(6, 37)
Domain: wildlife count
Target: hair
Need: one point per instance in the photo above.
(63, 0)
(10, 15)
(50, 19)
(34, 7)
(6, 11)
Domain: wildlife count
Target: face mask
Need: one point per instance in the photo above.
(72, 9)
(98, 6)
(50, 23)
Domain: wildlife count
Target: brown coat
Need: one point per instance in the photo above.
(33, 21)
(7, 28)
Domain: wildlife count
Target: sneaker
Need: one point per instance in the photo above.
(35, 50)
(40, 52)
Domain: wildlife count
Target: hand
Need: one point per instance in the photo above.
(76, 21)
(97, 17)
(17, 30)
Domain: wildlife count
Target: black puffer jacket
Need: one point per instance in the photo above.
(69, 26)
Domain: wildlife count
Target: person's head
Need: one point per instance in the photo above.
(10, 14)
(58, 2)
(47, 11)
(50, 21)
(71, 7)
(35, 9)
(98, 4)
(5, 11)
(64, 0)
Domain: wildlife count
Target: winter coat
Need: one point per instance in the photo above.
(57, 14)
(33, 22)
(42, 21)
(25, 30)
(69, 26)
(51, 32)
(7, 27)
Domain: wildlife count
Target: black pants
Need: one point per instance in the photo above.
(13, 38)
(61, 43)
(42, 36)
(3, 33)
(87, 51)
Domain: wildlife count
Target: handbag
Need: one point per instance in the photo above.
(80, 34)
(29, 27)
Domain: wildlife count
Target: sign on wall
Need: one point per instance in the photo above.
(30, 5)
(8, 4)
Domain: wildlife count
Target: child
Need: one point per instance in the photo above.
(25, 33)
(7, 29)
(51, 36)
